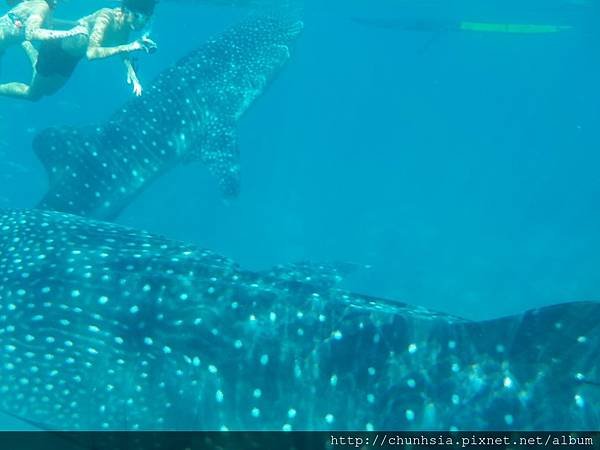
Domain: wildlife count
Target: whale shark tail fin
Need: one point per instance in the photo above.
(70, 158)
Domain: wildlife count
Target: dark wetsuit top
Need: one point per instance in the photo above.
(53, 59)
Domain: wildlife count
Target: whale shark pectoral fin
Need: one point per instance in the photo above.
(221, 154)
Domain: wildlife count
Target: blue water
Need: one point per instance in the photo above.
(461, 166)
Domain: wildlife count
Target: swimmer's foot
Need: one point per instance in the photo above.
(16, 90)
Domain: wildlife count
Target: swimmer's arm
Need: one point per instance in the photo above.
(131, 74)
(95, 49)
(97, 52)
(35, 32)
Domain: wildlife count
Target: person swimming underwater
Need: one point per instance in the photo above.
(24, 21)
(108, 34)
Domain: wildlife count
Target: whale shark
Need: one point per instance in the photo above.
(104, 327)
(189, 113)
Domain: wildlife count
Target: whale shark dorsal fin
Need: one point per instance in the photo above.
(315, 274)
(220, 152)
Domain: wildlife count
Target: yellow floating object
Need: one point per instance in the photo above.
(512, 28)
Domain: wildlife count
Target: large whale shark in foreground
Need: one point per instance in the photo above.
(104, 327)
(189, 113)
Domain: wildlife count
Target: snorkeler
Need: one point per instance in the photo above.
(108, 32)
(24, 23)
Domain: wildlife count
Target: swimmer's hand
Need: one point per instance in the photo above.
(144, 43)
(133, 79)
(137, 86)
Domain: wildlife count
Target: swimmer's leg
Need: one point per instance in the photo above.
(39, 87)
(22, 90)
(31, 52)
(16, 90)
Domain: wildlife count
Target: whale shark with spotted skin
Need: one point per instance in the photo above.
(189, 113)
(105, 327)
